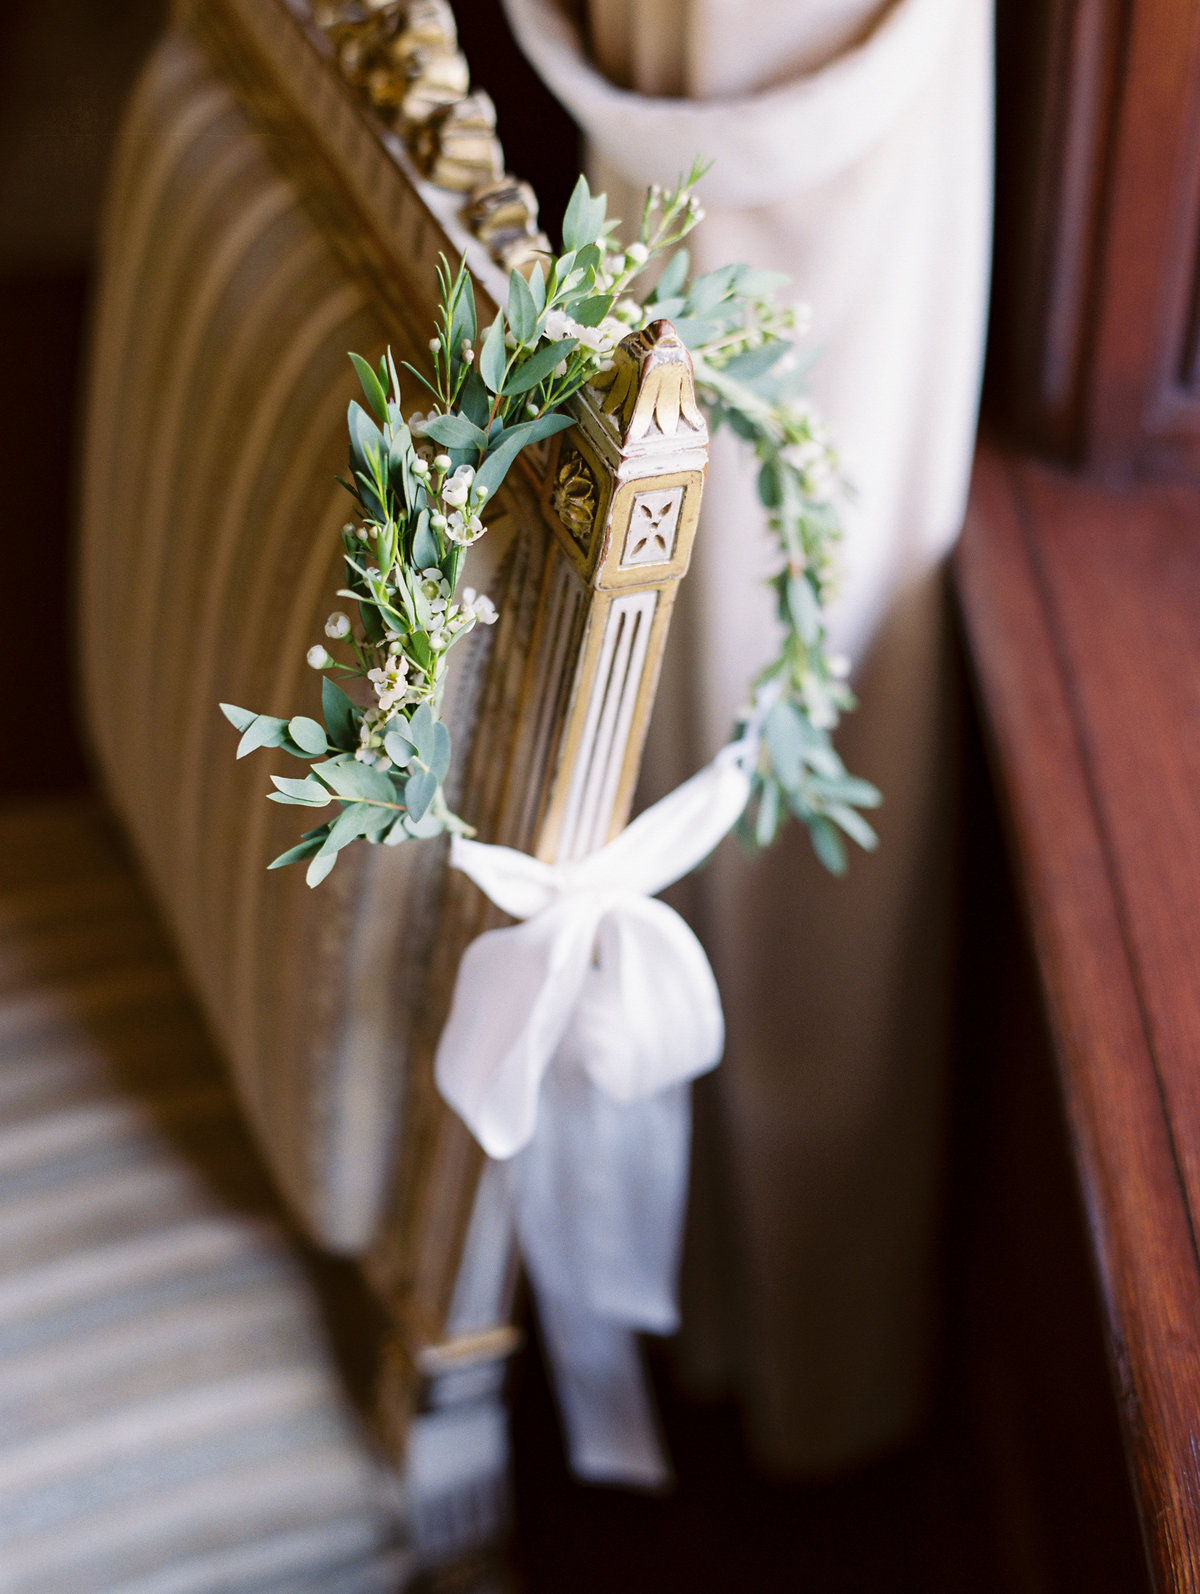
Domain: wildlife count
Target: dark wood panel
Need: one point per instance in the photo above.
(1096, 345)
(1074, 603)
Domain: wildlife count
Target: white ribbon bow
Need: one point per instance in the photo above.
(570, 1040)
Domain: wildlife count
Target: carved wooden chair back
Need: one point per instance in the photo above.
(267, 215)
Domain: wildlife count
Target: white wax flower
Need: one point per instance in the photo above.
(318, 658)
(464, 529)
(479, 606)
(457, 489)
(337, 625)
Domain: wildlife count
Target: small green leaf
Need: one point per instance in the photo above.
(577, 219)
(766, 821)
(673, 277)
(340, 715)
(755, 362)
(398, 749)
(419, 791)
(265, 731)
(425, 550)
(493, 357)
(455, 431)
(474, 400)
(751, 282)
(321, 865)
(590, 312)
(696, 333)
(827, 845)
(371, 388)
(423, 829)
(366, 443)
(804, 609)
(308, 736)
(785, 743)
(538, 367)
(439, 761)
(302, 849)
(352, 780)
(495, 467)
(308, 790)
(770, 491)
(522, 313)
(420, 732)
(855, 826)
(240, 718)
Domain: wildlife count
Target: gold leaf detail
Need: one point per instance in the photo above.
(574, 497)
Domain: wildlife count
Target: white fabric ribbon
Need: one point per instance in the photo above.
(570, 1040)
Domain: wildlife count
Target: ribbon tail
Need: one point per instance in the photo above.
(609, 1421)
(599, 1197)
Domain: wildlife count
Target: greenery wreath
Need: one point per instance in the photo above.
(421, 487)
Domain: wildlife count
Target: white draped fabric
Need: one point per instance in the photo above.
(852, 144)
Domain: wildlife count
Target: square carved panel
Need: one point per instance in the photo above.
(653, 524)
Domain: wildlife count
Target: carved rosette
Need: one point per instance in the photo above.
(574, 496)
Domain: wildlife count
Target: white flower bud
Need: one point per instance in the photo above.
(318, 658)
(441, 463)
(637, 254)
(337, 625)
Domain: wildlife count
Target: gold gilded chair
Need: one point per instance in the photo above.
(279, 197)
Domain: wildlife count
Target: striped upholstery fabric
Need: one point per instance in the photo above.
(209, 561)
(170, 1421)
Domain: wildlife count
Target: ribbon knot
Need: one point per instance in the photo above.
(568, 1048)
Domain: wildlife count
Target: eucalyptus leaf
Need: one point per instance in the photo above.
(495, 467)
(696, 333)
(308, 735)
(785, 742)
(456, 431)
(855, 826)
(522, 312)
(240, 718)
(439, 759)
(398, 748)
(302, 849)
(419, 791)
(371, 388)
(674, 275)
(423, 829)
(474, 400)
(309, 790)
(577, 228)
(755, 362)
(420, 732)
(340, 715)
(493, 357)
(538, 367)
(321, 865)
(827, 845)
(425, 550)
(265, 731)
(366, 441)
(766, 820)
(462, 318)
(354, 781)
(804, 609)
